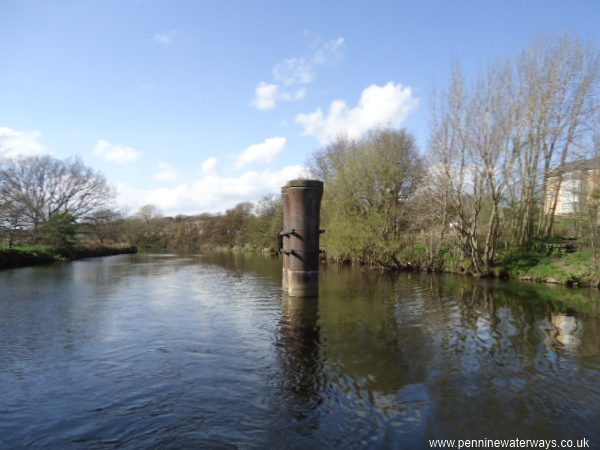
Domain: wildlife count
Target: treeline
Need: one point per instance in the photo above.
(53, 205)
(498, 163)
(485, 191)
(247, 226)
(500, 153)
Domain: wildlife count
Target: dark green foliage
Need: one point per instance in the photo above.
(59, 230)
(43, 254)
(20, 257)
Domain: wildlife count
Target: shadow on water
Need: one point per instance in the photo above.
(205, 350)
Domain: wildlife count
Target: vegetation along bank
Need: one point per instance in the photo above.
(23, 256)
(508, 185)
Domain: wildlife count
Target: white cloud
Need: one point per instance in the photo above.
(209, 166)
(264, 152)
(15, 143)
(267, 96)
(165, 38)
(166, 172)
(292, 74)
(379, 106)
(292, 71)
(330, 52)
(302, 70)
(210, 193)
(117, 154)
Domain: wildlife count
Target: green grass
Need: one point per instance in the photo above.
(29, 248)
(565, 268)
(25, 256)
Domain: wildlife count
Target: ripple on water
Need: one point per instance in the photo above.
(166, 351)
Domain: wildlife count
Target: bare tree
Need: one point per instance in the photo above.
(474, 152)
(557, 82)
(573, 107)
(104, 224)
(36, 188)
(495, 144)
(149, 213)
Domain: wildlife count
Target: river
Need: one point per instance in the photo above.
(172, 351)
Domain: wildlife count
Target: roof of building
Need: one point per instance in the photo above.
(579, 164)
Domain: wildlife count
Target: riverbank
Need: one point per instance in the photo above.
(568, 268)
(576, 268)
(573, 268)
(44, 254)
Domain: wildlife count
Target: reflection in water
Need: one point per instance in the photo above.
(496, 363)
(566, 330)
(299, 354)
(205, 351)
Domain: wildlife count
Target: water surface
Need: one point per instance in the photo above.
(175, 351)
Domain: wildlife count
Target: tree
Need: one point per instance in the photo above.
(59, 230)
(188, 234)
(37, 188)
(496, 143)
(11, 223)
(368, 184)
(557, 79)
(149, 228)
(267, 223)
(104, 224)
(149, 213)
(232, 227)
(474, 153)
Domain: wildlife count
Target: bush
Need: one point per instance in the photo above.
(59, 230)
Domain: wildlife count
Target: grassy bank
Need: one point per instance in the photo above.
(30, 255)
(569, 268)
(561, 264)
(572, 269)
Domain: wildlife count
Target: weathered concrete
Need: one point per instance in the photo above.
(301, 212)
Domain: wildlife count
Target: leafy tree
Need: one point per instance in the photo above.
(149, 228)
(59, 230)
(369, 183)
(267, 223)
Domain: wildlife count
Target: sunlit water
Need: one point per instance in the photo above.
(140, 351)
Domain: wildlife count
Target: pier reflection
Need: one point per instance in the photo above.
(298, 351)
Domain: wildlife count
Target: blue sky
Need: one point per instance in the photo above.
(197, 105)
